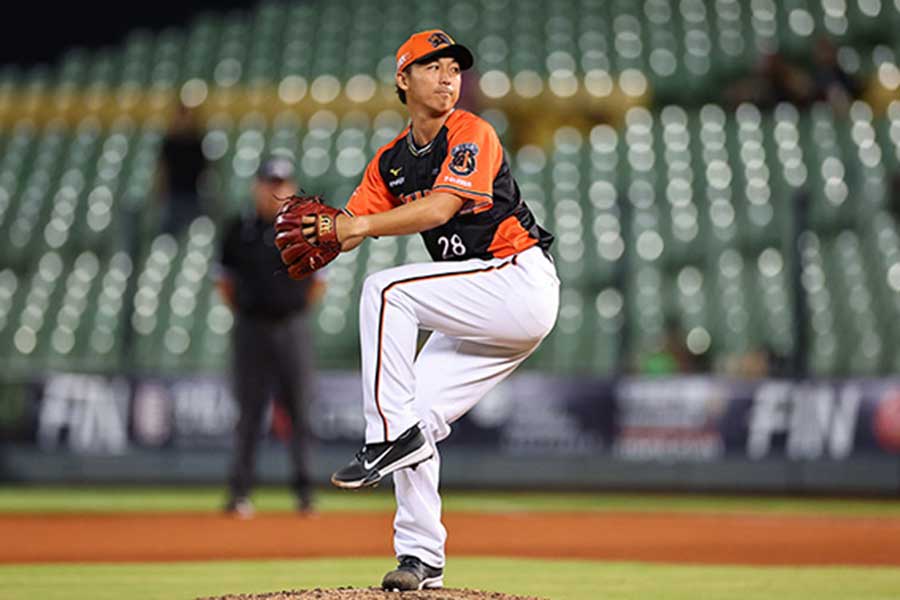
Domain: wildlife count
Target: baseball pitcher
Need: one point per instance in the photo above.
(489, 298)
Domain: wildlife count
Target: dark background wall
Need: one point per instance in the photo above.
(38, 32)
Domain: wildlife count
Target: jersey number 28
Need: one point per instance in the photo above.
(452, 245)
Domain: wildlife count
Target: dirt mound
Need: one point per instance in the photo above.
(375, 594)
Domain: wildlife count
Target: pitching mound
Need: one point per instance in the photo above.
(375, 594)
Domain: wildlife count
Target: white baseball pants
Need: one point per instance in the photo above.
(486, 317)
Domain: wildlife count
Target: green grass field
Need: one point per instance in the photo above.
(559, 580)
(137, 499)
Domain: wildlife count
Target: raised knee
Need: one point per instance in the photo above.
(373, 287)
(379, 289)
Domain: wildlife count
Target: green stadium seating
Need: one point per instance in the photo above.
(679, 212)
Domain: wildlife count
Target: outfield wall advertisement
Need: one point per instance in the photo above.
(687, 419)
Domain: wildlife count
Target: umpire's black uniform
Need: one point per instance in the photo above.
(272, 349)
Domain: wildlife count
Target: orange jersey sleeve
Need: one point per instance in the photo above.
(371, 195)
(474, 156)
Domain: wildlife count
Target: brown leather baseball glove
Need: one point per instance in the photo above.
(301, 255)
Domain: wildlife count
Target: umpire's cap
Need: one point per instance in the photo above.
(433, 43)
(276, 168)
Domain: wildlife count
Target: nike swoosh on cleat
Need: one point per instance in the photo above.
(371, 465)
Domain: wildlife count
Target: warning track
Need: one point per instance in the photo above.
(669, 537)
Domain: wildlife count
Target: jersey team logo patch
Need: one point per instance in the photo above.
(462, 159)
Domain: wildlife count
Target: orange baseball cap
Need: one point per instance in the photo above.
(432, 42)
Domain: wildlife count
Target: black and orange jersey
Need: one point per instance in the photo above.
(465, 159)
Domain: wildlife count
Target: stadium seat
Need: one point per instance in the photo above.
(676, 209)
(101, 337)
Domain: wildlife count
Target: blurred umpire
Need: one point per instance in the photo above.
(272, 346)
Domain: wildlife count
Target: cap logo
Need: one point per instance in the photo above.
(403, 59)
(439, 38)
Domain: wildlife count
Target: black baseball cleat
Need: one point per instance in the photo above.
(412, 574)
(374, 461)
